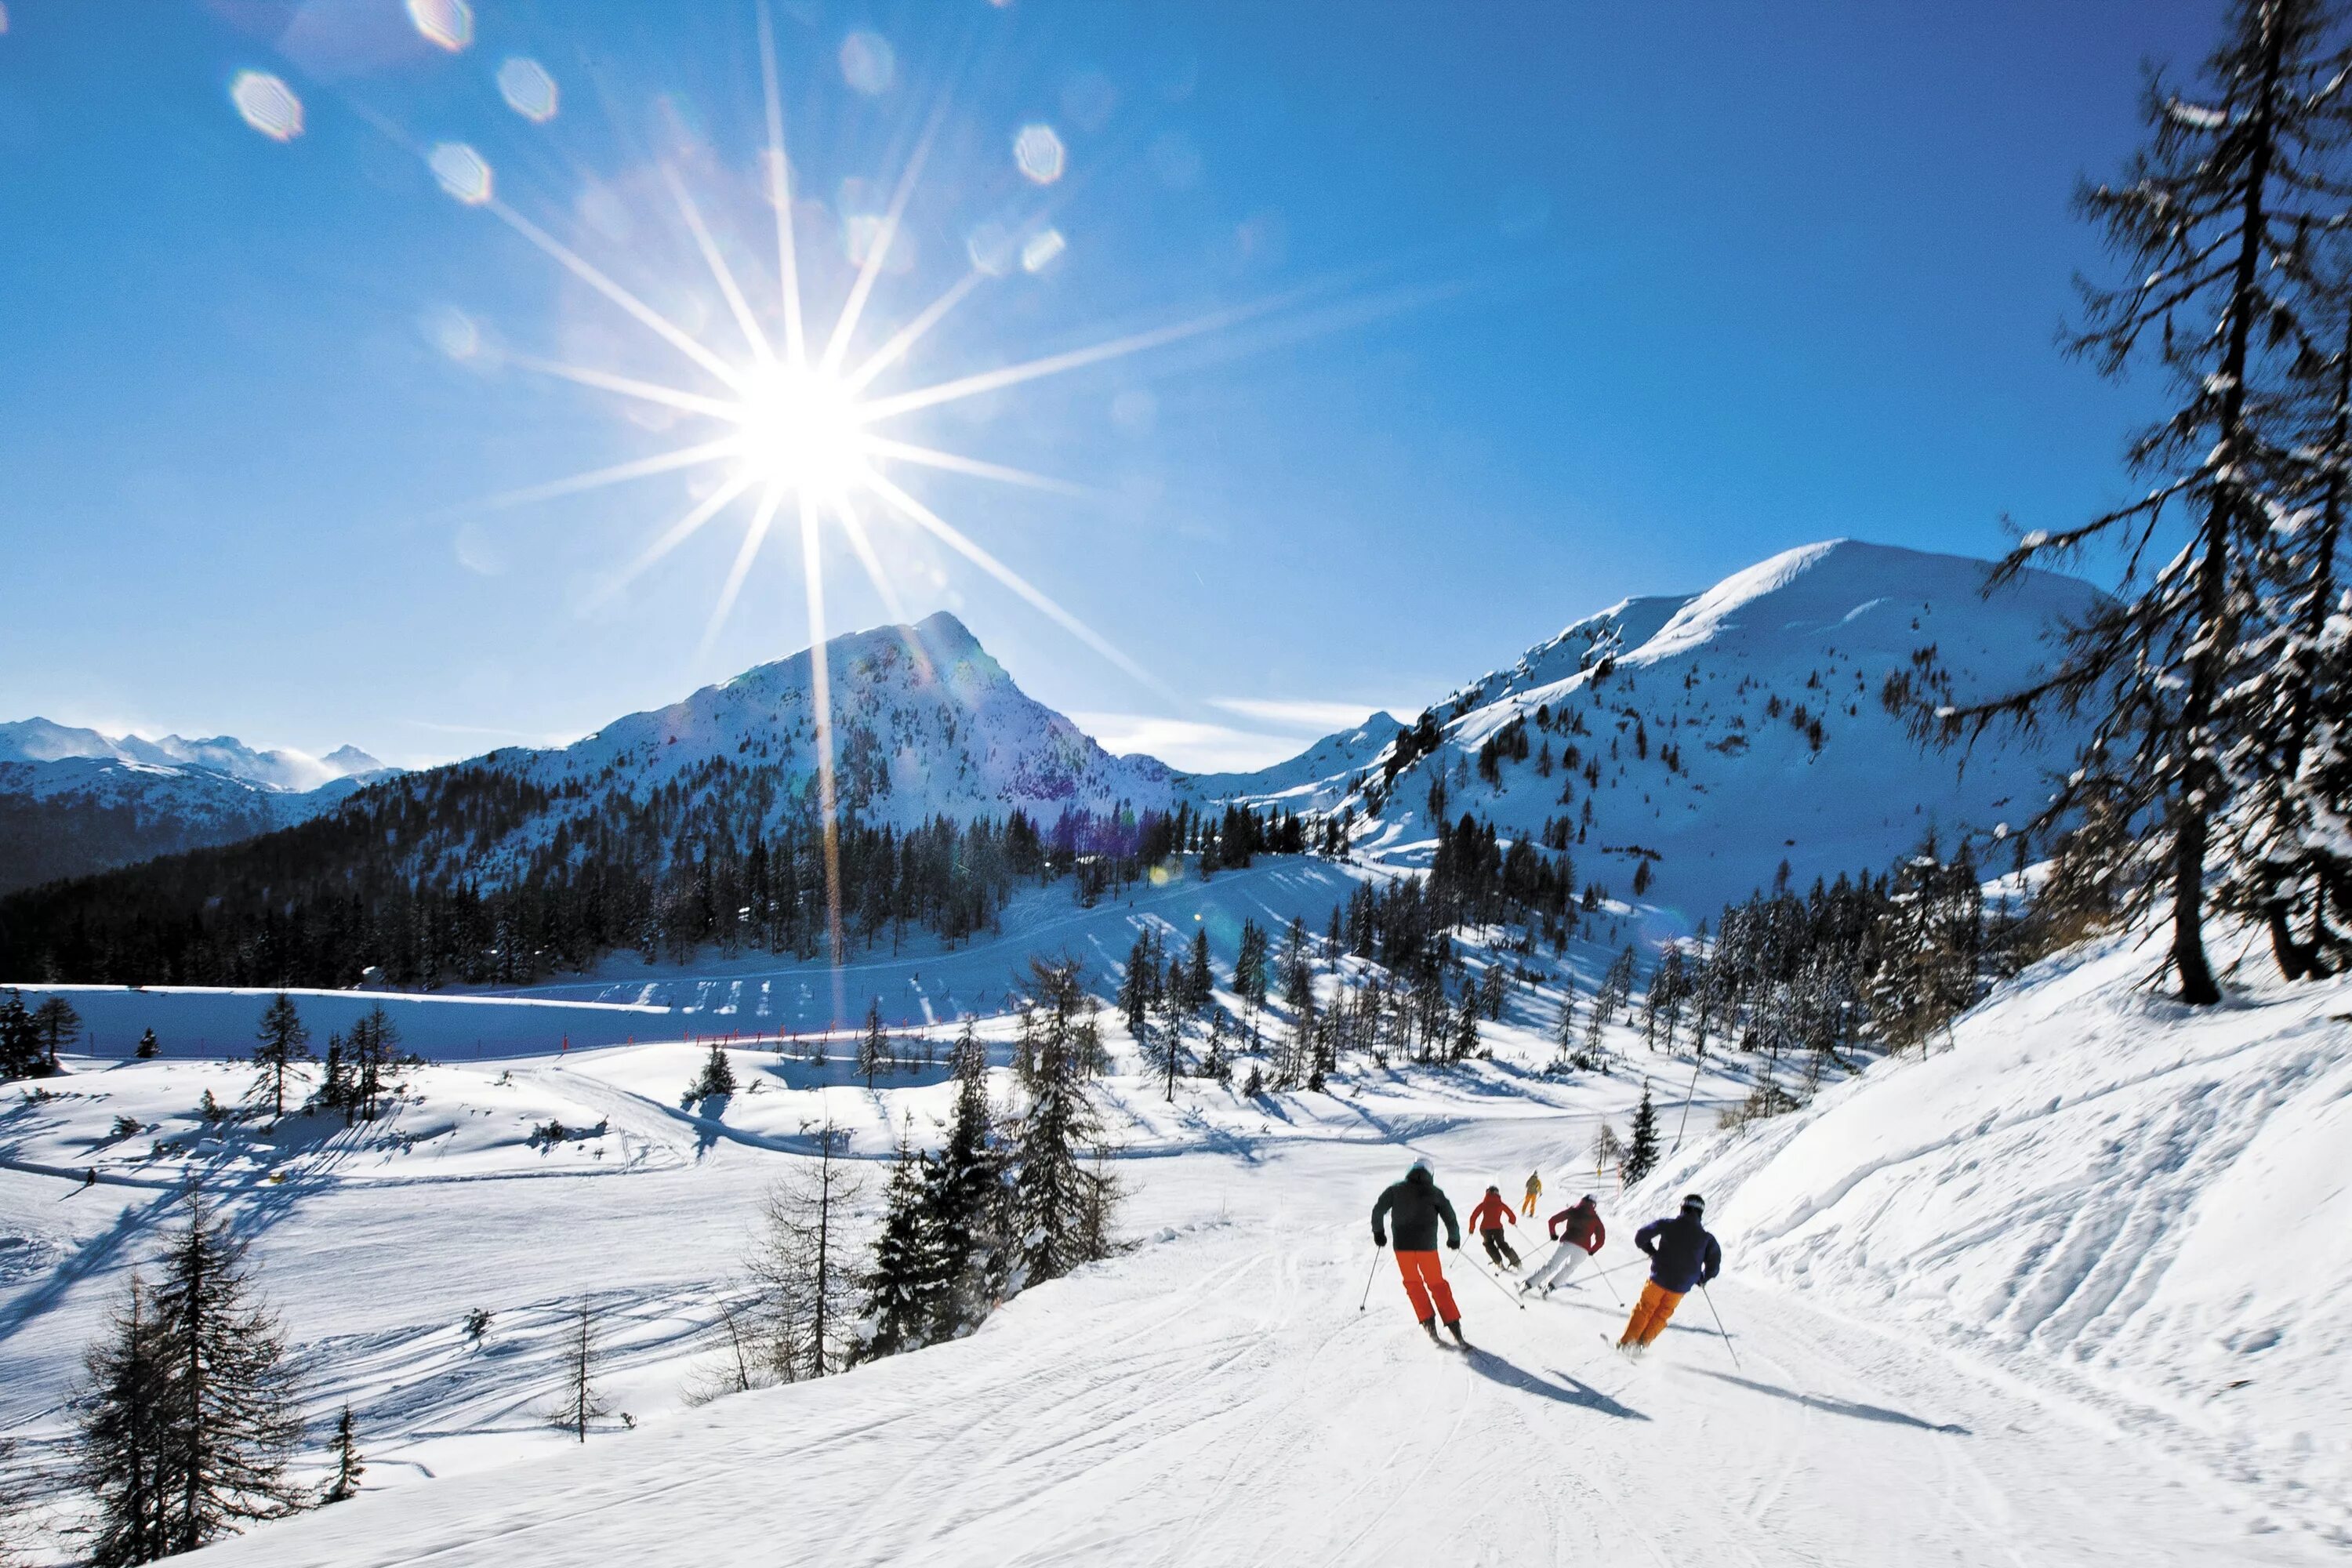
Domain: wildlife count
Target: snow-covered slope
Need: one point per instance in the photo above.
(1720, 734)
(1316, 779)
(2143, 1206)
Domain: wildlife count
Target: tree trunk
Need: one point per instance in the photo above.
(2199, 778)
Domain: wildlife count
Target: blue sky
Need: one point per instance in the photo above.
(1530, 305)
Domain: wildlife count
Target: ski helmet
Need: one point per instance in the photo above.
(1694, 1205)
(1492, 1188)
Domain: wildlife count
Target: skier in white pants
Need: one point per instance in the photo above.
(1579, 1233)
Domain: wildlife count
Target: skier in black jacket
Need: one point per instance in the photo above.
(1415, 1206)
(1682, 1254)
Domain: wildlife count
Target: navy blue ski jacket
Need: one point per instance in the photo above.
(1681, 1254)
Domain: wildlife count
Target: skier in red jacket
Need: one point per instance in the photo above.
(1487, 1219)
(1579, 1233)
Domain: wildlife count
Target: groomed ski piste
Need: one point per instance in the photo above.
(2067, 1289)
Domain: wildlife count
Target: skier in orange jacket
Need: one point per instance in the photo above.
(1488, 1220)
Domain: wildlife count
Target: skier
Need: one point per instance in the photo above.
(1417, 1205)
(1681, 1254)
(1487, 1219)
(1579, 1233)
(1535, 1191)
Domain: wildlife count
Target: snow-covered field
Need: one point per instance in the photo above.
(2069, 1292)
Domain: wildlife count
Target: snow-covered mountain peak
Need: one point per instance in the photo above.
(40, 740)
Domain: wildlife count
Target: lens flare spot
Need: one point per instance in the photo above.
(992, 249)
(1042, 250)
(447, 24)
(462, 173)
(452, 331)
(1040, 155)
(868, 63)
(267, 105)
(529, 91)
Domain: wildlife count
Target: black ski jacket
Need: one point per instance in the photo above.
(1681, 1254)
(1415, 1206)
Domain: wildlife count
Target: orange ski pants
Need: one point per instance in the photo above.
(1422, 1280)
(1650, 1314)
(1529, 1207)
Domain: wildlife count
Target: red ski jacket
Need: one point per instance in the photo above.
(1491, 1211)
(1583, 1225)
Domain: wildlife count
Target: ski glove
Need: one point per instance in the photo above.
(1453, 1244)
(1378, 1238)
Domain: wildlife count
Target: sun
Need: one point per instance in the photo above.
(803, 430)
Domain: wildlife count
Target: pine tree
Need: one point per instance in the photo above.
(1563, 1030)
(2212, 220)
(56, 1025)
(967, 1203)
(282, 1039)
(192, 1415)
(1642, 1156)
(1200, 985)
(372, 1051)
(335, 1090)
(1135, 987)
(347, 1468)
(149, 1048)
(873, 1045)
(1250, 965)
(1054, 1203)
(20, 1042)
(718, 1076)
(807, 1288)
(902, 1288)
(579, 1403)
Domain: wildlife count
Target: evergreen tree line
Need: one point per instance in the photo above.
(471, 875)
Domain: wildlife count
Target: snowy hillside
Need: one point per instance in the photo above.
(2142, 1208)
(2002, 1306)
(73, 801)
(1316, 780)
(1719, 735)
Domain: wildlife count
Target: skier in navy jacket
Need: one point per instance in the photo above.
(1682, 1254)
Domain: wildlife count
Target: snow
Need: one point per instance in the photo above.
(41, 741)
(1988, 1307)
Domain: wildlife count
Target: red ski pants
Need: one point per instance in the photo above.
(1422, 1280)
(1650, 1314)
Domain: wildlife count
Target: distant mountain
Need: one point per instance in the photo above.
(926, 723)
(1715, 735)
(73, 801)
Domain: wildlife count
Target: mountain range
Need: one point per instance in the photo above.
(73, 801)
(1695, 741)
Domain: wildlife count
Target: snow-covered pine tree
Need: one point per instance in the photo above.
(2211, 218)
(349, 1469)
(902, 1287)
(1642, 1154)
(20, 1044)
(1198, 983)
(2286, 856)
(1563, 1028)
(579, 1403)
(967, 1204)
(193, 1413)
(718, 1075)
(1250, 965)
(1608, 1149)
(335, 1091)
(281, 1039)
(1054, 1205)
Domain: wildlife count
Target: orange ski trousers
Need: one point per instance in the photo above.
(1422, 1280)
(1650, 1314)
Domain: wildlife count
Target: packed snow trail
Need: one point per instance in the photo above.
(1215, 1398)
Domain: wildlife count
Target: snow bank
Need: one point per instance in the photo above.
(2144, 1207)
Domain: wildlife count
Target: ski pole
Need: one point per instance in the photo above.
(1718, 1324)
(1375, 1268)
(1687, 1094)
(1497, 1282)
